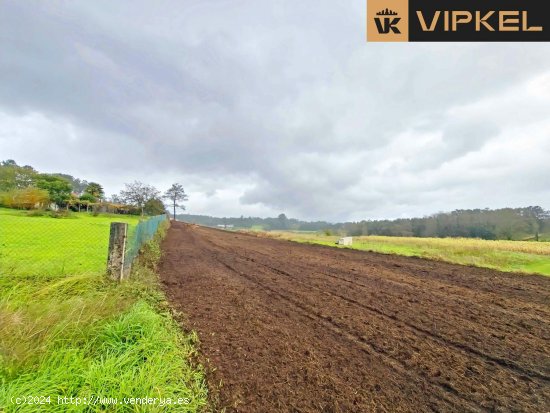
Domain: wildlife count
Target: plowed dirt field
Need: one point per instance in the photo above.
(288, 327)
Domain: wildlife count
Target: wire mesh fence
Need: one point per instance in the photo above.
(138, 235)
(44, 244)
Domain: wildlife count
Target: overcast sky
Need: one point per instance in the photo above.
(259, 108)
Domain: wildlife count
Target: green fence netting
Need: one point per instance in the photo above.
(140, 234)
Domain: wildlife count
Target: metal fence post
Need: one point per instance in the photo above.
(117, 249)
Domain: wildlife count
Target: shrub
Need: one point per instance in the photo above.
(26, 198)
(36, 213)
(60, 214)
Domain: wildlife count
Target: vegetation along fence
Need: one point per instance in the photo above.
(139, 235)
(125, 243)
(42, 244)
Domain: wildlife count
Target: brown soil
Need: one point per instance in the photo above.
(289, 327)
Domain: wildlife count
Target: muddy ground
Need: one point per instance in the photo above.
(289, 327)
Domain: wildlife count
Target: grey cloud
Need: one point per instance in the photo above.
(463, 137)
(283, 96)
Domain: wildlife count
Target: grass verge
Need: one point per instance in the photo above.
(86, 337)
(510, 256)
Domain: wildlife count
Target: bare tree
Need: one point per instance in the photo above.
(176, 194)
(138, 193)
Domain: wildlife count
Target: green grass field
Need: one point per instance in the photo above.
(510, 256)
(65, 330)
(45, 246)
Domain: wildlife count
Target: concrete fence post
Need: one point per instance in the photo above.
(117, 249)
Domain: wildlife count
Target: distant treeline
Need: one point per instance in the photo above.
(266, 224)
(506, 223)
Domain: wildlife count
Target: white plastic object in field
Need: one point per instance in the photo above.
(345, 241)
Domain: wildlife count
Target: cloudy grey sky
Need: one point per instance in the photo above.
(267, 107)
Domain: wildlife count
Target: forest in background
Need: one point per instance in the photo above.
(528, 223)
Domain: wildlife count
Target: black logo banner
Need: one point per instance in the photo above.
(458, 20)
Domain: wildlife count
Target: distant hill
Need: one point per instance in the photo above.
(529, 223)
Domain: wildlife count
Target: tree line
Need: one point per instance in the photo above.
(506, 223)
(23, 187)
(529, 223)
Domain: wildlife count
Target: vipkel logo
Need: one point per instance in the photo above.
(458, 20)
(386, 21)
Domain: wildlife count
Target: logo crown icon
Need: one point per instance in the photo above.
(386, 12)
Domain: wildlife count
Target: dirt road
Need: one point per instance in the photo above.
(299, 328)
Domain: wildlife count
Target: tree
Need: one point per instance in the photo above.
(538, 217)
(138, 193)
(59, 189)
(176, 194)
(95, 190)
(86, 199)
(13, 176)
(154, 207)
(116, 199)
(78, 186)
(283, 221)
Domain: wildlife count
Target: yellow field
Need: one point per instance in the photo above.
(515, 256)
